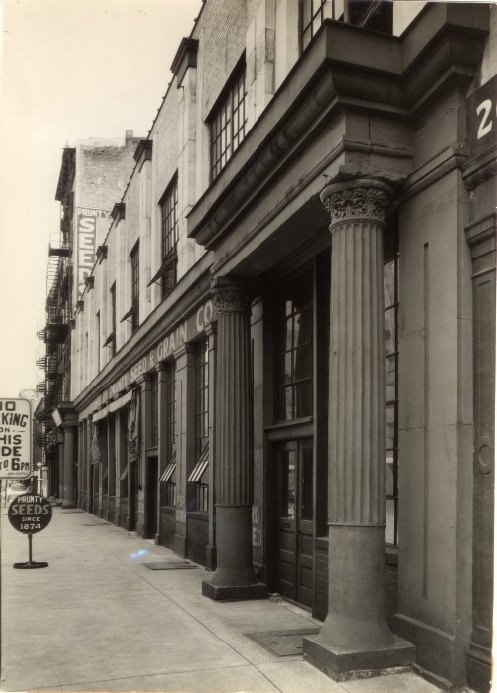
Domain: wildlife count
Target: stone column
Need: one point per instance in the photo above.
(210, 552)
(69, 463)
(234, 577)
(355, 636)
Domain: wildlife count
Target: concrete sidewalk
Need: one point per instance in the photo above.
(97, 619)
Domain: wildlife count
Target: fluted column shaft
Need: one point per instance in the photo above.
(357, 374)
(234, 450)
(234, 577)
(355, 635)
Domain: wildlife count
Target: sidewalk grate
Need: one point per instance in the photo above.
(71, 512)
(95, 524)
(283, 643)
(169, 565)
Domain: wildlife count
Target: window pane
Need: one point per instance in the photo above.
(307, 484)
(389, 427)
(390, 524)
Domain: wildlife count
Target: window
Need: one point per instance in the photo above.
(200, 471)
(97, 329)
(113, 318)
(375, 15)
(168, 485)
(169, 230)
(293, 387)
(111, 339)
(228, 122)
(391, 284)
(135, 288)
(154, 411)
(311, 18)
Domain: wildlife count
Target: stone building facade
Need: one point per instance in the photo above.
(283, 358)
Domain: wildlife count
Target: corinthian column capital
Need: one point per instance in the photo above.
(231, 295)
(356, 200)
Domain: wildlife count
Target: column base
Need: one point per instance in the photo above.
(231, 593)
(157, 539)
(341, 664)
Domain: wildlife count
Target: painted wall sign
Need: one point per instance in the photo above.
(482, 116)
(30, 513)
(186, 331)
(91, 224)
(15, 439)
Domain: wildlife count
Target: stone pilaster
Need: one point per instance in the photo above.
(234, 577)
(355, 636)
(144, 383)
(185, 436)
(69, 464)
(161, 370)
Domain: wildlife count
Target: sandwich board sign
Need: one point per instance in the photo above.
(15, 438)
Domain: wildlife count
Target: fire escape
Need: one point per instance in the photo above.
(55, 364)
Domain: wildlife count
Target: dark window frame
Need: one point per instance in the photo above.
(201, 421)
(135, 287)
(288, 380)
(310, 24)
(169, 237)
(228, 121)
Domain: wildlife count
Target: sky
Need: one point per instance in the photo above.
(69, 69)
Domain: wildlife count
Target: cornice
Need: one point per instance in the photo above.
(186, 56)
(143, 153)
(480, 168)
(101, 253)
(118, 212)
(481, 235)
(344, 66)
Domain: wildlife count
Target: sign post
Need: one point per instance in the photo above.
(29, 514)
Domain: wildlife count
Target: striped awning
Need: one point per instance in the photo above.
(201, 465)
(125, 473)
(168, 471)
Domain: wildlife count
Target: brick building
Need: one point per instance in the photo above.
(92, 172)
(283, 358)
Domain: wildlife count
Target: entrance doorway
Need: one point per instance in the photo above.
(151, 497)
(293, 527)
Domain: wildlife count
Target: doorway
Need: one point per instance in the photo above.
(292, 472)
(151, 497)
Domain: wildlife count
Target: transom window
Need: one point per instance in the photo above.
(391, 286)
(170, 234)
(294, 351)
(228, 122)
(135, 287)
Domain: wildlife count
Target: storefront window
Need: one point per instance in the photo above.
(199, 475)
(167, 479)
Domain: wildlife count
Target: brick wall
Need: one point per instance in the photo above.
(219, 51)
